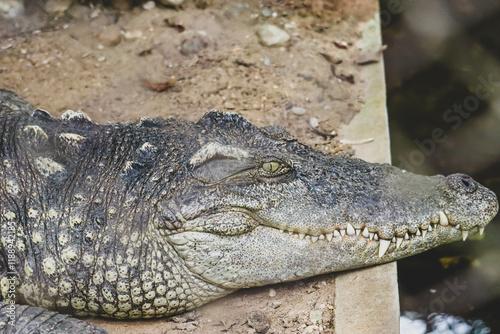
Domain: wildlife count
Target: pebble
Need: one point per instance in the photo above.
(79, 12)
(258, 321)
(149, 5)
(188, 326)
(229, 105)
(311, 330)
(271, 35)
(306, 77)
(316, 316)
(111, 35)
(313, 121)
(272, 292)
(121, 4)
(298, 110)
(133, 34)
(11, 9)
(288, 105)
(266, 12)
(267, 62)
(193, 45)
(172, 2)
(54, 6)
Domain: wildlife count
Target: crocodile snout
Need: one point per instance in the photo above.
(471, 203)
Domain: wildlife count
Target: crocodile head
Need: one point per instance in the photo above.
(262, 208)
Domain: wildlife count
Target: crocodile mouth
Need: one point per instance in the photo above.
(439, 223)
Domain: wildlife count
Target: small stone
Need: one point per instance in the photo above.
(133, 34)
(79, 12)
(54, 6)
(272, 292)
(271, 35)
(313, 329)
(11, 9)
(174, 3)
(149, 5)
(177, 319)
(229, 105)
(313, 121)
(202, 4)
(266, 12)
(306, 77)
(288, 105)
(267, 62)
(316, 316)
(95, 13)
(188, 326)
(193, 45)
(276, 304)
(258, 321)
(111, 36)
(298, 110)
(121, 4)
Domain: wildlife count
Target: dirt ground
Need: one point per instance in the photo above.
(151, 60)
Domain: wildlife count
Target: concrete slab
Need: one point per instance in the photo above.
(367, 300)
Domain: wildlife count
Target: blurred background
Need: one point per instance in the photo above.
(443, 84)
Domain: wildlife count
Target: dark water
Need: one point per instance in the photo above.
(443, 77)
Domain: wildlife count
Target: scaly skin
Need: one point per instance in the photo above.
(157, 217)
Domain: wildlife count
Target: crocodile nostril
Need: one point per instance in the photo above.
(462, 183)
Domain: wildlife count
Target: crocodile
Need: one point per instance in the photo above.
(156, 217)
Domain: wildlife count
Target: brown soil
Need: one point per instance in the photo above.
(70, 63)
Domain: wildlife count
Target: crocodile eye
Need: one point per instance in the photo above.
(271, 167)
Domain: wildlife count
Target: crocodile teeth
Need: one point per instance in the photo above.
(342, 232)
(350, 229)
(384, 245)
(407, 237)
(336, 233)
(465, 234)
(424, 233)
(457, 226)
(481, 230)
(375, 236)
(393, 239)
(366, 234)
(314, 239)
(329, 236)
(321, 237)
(430, 228)
(443, 220)
(399, 241)
(358, 232)
(418, 232)
(302, 236)
(371, 235)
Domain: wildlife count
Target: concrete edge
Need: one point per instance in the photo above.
(367, 300)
